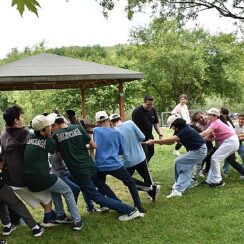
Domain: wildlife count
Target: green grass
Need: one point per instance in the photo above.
(202, 215)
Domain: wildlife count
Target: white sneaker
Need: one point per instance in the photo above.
(176, 153)
(174, 193)
(193, 183)
(242, 177)
(104, 210)
(134, 214)
(201, 174)
(173, 186)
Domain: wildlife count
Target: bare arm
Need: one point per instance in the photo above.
(241, 137)
(91, 145)
(167, 141)
(157, 128)
(206, 133)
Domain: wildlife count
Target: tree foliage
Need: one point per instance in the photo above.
(176, 8)
(31, 5)
(176, 61)
(182, 8)
(173, 60)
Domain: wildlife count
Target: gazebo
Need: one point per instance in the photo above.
(48, 71)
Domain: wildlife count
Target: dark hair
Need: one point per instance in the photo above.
(225, 112)
(59, 119)
(193, 117)
(12, 113)
(70, 113)
(241, 115)
(223, 119)
(148, 98)
(184, 96)
(179, 123)
(115, 120)
(38, 132)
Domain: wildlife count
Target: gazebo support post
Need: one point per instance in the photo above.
(121, 102)
(83, 102)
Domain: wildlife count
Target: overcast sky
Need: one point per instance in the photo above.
(77, 22)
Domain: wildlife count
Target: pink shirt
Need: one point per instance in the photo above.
(221, 131)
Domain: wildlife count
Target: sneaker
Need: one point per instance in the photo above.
(38, 231)
(205, 183)
(201, 174)
(174, 193)
(220, 184)
(225, 174)
(49, 223)
(193, 184)
(242, 177)
(134, 214)
(64, 219)
(173, 186)
(176, 153)
(8, 230)
(142, 210)
(153, 194)
(78, 225)
(93, 210)
(104, 209)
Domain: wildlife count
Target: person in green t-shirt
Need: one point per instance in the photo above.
(36, 171)
(72, 143)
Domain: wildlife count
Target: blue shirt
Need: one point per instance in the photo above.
(132, 136)
(109, 146)
(190, 138)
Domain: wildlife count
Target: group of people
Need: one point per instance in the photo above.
(54, 160)
(210, 139)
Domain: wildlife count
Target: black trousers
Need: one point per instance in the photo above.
(123, 175)
(8, 200)
(232, 161)
(149, 151)
(142, 170)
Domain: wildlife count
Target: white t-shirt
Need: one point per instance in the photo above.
(183, 111)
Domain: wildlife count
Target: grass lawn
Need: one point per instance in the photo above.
(202, 215)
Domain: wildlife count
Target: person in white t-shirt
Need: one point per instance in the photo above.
(182, 110)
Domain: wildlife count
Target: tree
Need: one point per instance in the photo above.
(183, 9)
(176, 61)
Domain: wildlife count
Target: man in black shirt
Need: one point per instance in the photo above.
(145, 117)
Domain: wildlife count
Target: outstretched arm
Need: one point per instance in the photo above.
(167, 141)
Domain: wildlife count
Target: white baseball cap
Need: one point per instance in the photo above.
(213, 111)
(101, 116)
(172, 118)
(41, 121)
(114, 116)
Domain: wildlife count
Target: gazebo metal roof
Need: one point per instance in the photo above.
(48, 71)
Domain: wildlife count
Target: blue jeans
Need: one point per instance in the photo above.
(66, 177)
(89, 187)
(123, 175)
(184, 165)
(241, 152)
(226, 167)
(61, 188)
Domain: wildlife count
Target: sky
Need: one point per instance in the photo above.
(78, 22)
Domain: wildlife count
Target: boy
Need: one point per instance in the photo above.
(36, 170)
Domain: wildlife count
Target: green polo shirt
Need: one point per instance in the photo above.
(36, 170)
(71, 143)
